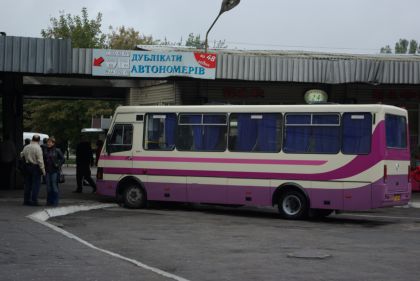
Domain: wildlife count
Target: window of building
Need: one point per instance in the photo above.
(396, 131)
(121, 138)
(312, 133)
(159, 133)
(356, 133)
(202, 132)
(255, 132)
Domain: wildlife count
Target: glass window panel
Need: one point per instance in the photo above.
(305, 133)
(160, 131)
(325, 140)
(121, 138)
(214, 119)
(202, 137)
(298, 119)
(190, 119)
(297, 139)
(330, 119)
(356, 133)
(396, 131)
(255, 132)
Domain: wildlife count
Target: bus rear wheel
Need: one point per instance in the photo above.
(134, 197)
(293, 205)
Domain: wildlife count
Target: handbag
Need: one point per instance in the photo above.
(61, 177)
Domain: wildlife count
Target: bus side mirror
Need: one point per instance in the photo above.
(108, 146)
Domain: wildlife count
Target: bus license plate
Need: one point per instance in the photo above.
(397, 197)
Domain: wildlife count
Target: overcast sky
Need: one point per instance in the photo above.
(344, 26)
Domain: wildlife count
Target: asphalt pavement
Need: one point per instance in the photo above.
(31, 251)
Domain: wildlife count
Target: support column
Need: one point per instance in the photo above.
(12, 132)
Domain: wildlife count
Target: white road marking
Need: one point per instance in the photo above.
(42, 217)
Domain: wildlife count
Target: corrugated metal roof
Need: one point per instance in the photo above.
(55, 56)
(82, 61)
(319, 68)
(35, 55)
(312, 67)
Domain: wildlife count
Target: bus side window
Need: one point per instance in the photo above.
(121, 138)
(256, 132)
(202, 132)
(160, 131)
(312, 133)
(357, 133)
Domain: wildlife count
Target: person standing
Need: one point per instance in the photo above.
(43, 148)
(84, 159)
(32, 154)
(53, 159)
(27, 142)
(99, 145)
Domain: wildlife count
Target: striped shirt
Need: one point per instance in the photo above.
(33, 154)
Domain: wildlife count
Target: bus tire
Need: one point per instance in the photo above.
(293, 205)
(134, 196)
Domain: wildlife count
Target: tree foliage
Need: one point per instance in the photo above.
(413, 47)
(386, 50)
(403, 46)
(124, 38)
(83, 32)
(194, 41)
(63, 119)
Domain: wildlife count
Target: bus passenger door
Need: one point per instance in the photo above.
(119, 148)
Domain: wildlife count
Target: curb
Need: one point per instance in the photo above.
(414, 205)
(45, 214)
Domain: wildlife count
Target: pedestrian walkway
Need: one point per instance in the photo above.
(66, 190)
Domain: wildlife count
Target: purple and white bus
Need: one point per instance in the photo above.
(305, 159)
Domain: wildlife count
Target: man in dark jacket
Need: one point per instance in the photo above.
(84, 159)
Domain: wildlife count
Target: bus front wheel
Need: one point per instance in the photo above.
(293, 205)
(134, 197)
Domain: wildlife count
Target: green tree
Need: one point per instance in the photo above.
(127, 38)
(412, 49)
(386, 50)
(63, 119)
(83, 32)
(401, 46)
(194, 41)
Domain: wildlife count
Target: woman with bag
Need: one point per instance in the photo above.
(53, 159)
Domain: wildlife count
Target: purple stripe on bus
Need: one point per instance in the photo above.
(365, 197)
(217, 160)
(359, 164)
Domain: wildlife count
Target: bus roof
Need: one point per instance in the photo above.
(265, 108)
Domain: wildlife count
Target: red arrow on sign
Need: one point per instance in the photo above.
(98, 61)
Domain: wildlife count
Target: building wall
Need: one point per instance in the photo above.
(163, 93)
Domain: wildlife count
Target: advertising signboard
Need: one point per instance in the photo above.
(111, 62)
(153, 64)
